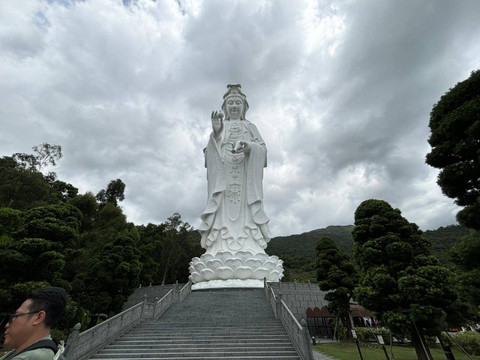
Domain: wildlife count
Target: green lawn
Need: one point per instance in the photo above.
(348, 351)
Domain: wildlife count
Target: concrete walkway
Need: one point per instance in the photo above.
(319, 356)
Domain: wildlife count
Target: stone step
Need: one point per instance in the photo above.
(206, 340)
(221, 324)
(162, 325)
(196, 330)
(229, 345)
(202, 350)
(196, 335)
(194, 354)
(204, 357)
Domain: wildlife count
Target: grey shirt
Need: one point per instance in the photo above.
(37, 354)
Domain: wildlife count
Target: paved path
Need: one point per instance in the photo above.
(319, 356)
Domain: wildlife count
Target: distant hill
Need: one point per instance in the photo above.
(303, 245)
(444, 238)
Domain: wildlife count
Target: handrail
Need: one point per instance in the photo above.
(185, 290)
(163, 304)
(291, 314)
(297, 332)
(81, 346)
(112, 319)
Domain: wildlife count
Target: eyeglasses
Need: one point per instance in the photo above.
(11, 317)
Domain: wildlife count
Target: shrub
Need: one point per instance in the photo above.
(370, 334)
(341, 330)
(470, 341)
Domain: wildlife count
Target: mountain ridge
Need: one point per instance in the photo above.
(442, 239)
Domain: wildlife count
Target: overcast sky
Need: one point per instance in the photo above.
(341, 92)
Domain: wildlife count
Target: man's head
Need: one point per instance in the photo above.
(34, 318)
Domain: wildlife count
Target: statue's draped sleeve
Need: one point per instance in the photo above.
(256, 160)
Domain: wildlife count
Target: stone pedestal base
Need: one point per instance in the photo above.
(222, 284)
(241, 265)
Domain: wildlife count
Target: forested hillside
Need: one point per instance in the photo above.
(303, 245)
(52, 235)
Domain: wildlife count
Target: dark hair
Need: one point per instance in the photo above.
(50, 299)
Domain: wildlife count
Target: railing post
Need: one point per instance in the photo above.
(306, 337)
(144, 307)
(72, 338)
(176, 292)
(278, 305)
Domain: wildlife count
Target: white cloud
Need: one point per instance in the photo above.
(341, 92)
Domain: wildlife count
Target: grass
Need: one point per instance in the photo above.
(348, 351)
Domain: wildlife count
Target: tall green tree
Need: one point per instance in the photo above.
(23, 186)
(35, 246)
(111, 275)
(45, 154)
(175, 252)
(455, 142)
(113, 193)
(336, 274)
(466, 257)
(399, 278)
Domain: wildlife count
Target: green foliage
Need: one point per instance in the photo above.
(367, 334)
(469, 340)
(455, 139)
(303, 245)
(10, 221)
(166, 250)
(87, 204)
(466, 257)
(344, 350)
(45, 154)
(23, 186)
(400, 280)
(114, 192)
(336, 274)
(299, 269)
(442, 240)
(114, 272)
(58, 223)
(23, 189)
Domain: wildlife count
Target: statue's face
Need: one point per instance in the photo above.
(234, 108)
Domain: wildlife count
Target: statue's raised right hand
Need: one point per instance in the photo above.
(217, 123)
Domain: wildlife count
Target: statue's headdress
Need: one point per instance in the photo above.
(234, 91)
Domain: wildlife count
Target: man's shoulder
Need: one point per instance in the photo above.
(37, 354)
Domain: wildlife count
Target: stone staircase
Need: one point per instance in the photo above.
(211, 324)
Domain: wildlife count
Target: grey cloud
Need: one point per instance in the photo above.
(128, 91)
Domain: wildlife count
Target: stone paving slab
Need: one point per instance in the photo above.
(319, 356)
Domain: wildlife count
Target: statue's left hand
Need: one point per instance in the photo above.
(242, 146)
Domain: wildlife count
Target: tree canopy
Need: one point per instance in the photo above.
(336, 274)
(455, 142)
(52, 235)
(399, 278)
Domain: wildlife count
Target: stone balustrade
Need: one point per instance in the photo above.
(81, 346)
(298, 332)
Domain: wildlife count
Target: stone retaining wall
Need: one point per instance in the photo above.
(154, 293)
(299, 297)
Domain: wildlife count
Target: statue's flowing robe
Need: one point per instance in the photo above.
(234, 218)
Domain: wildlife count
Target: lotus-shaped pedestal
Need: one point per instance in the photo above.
(241, 265)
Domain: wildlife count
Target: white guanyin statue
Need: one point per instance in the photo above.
(234, 225)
